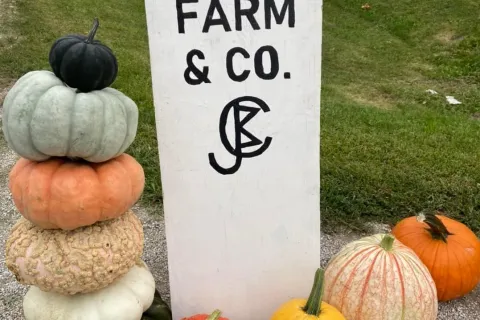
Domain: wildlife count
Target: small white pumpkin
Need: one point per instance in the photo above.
(125, 299)
(44, 118)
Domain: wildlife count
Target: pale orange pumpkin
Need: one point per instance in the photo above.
(379, 278)
(449, 249)
(61, 193)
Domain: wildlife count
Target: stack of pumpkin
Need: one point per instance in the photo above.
(78, 244)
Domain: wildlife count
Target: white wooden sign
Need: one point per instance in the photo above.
(237, 96)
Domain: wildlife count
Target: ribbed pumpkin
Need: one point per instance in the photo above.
(65, 194)
(312, 309)
(82, 62)
(379, 278)
(43, 118)
(449, 249)
(77, 261)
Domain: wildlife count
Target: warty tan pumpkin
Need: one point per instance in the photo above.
(78, 261)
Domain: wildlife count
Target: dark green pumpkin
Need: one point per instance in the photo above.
(159, 310)
(82, 62)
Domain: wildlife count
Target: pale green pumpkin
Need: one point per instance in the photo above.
(44, 118)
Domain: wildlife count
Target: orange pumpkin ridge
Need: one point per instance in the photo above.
(60, 193)
(448, 248)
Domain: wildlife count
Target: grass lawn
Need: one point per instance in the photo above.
(389, 149)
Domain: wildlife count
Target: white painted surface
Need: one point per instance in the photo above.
(249, 241)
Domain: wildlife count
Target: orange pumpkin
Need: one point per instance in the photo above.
(61, 193)
(449, 249)
(215, 315)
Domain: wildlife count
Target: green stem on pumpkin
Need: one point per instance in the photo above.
(387, 242)
(215, 315)
(92, 32)
(313, 306)
(436, 228)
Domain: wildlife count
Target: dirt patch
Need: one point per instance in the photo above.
(445, 36)
(8, 14)
(368, 96)
(448, 36)
(8, 36)
(421, 67)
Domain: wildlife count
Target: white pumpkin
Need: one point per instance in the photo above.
(125, 299)
(379, 278)
(44, 118)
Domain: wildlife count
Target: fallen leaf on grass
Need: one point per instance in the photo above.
(366, 6)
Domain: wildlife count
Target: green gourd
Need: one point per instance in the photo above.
(159, 310)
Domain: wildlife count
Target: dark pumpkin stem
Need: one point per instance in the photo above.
(215, 315)
(314, 302)
(436, 228)
(92, 32)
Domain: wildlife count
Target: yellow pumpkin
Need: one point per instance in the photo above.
(312, 309)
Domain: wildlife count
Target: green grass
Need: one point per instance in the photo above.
(389, 149)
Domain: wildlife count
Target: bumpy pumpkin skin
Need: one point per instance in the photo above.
(124, 299)
(78, 261)
(64, 194)
(454, 264)
(365, 281)
(43, 118)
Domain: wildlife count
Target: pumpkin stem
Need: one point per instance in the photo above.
(436, 228)
(215, 315)
(92, 32)
(387, 242)
(314, 302)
